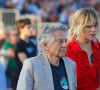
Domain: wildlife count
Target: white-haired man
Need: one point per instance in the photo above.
(50, 70)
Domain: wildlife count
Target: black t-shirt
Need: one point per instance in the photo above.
(23, 47)
(60, 77)
(33, 40)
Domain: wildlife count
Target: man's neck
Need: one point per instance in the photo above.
(53, 60)
(26, 39)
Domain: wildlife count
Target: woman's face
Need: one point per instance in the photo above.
(89, 32)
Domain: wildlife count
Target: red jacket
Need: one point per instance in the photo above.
(87, 74)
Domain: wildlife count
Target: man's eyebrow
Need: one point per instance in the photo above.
(61, 39)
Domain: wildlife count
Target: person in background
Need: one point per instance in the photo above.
(82, 48)
(2, 3)
(50, 70)
(33, 36)
(3, 85)
(33, 39)
(24, 48)
(2, 36)
(24, 9)
(98, 37)
(52, 16)
(4, 55)
(10, 47)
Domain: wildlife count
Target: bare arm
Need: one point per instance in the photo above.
(22, 57)
(11, 52)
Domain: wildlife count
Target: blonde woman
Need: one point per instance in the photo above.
(83, 50)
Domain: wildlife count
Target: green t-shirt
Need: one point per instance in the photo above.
(11, 63)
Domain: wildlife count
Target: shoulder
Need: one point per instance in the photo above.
(73, 44)
(19, 42)
(7, 45)
(69, 61)
(99, 43)
(20, 45)
(96, 45)
(73, 48)
(33, 61)
(32, 64)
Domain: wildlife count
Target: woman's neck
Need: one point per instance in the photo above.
(83, 41)
(85, 45)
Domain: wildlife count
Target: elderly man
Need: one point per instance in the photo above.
(50, 70)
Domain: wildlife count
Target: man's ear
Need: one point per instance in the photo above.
(45, 46)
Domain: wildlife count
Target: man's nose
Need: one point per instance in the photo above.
(31, 28)
(64, 44)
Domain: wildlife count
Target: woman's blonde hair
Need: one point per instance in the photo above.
(80, 19)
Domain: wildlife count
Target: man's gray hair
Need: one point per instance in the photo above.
(47, 34)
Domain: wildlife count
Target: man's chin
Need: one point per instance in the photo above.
(62, 55)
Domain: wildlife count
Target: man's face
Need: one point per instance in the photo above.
(13, 37)
(58, 47)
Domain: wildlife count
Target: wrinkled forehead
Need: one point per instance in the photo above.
(58, 34)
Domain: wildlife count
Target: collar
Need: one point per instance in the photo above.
(95, 47)
(76, 48)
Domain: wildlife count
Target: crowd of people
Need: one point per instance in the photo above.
(50, 10)
(65, 56)
(21, 43)
(79, 70)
